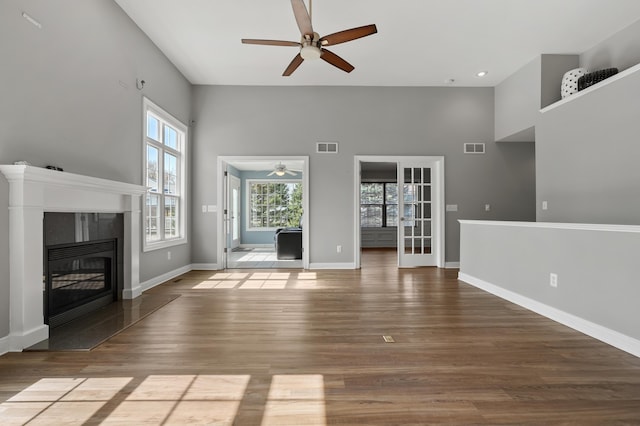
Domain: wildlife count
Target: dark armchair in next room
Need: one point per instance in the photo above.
(288, 243)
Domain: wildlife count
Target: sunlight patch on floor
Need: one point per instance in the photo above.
(164, 399)
(259, 280)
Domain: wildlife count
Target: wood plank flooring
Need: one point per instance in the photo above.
(305, 347)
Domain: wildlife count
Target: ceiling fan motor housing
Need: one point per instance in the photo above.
(310, 48)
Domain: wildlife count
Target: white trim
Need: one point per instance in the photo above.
(604, 334)
(205, 267)
(256, 245)
(590, 89)
(343, 265)
(4, 345)
(161, 279)
(18, 342)
(550, 225)
(452, 265)
(52, 178)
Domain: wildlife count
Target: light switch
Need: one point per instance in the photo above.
(204, 208)
(452, 207)
(212, 209)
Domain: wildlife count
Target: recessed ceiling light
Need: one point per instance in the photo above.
(482, 73)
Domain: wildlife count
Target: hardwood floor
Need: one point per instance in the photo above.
(305, 347)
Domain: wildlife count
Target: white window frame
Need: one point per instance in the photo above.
(248, 183)
(183, 215)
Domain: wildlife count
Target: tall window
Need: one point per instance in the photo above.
(164, 175)
(379, 204)
(274, 204)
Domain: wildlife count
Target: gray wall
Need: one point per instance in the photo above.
(622, 50)
(365, 121)
(519, 98)
(587, 157)
(520, 259)
(68, 98)
(517, 101)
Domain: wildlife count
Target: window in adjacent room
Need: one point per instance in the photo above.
(164, 174)
(274, 204)
(379, 204)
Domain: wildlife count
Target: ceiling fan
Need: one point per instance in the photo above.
(312, 46)
(280, 170)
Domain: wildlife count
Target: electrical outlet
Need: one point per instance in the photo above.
(553, 280)
(487, 207)
(168, 255)
(545, 206)
(339, 249)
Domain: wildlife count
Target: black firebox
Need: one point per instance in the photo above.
(79, 278)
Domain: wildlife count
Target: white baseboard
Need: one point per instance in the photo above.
(4, 345)
(332, 265)
(257, 245)
(18, 342)
(164, 277)
(604, 334)
(452, 265)
(205, 267)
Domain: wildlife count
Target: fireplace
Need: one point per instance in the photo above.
(80, 278)
(83, 263)
(34, 191)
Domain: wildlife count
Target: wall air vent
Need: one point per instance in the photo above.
(327, 147)
(474, 148)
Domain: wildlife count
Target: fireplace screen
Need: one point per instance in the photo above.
(78, 274)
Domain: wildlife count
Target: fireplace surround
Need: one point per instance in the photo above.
(33, 191)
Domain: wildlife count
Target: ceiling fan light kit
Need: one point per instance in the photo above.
(312, 46)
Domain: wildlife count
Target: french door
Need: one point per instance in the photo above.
(419, 211)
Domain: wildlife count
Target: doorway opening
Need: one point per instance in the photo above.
(263, 219)
(400, 207)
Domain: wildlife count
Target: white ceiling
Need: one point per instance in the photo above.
(419, 42)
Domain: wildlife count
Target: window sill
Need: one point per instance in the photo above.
(148, 247)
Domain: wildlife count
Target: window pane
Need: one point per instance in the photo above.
(170, 137)
(392, 215)
(152, 221)
(153, 126)
(152, 168)
(170, 217)
(371, 193)
(409, 193)
(275, 204)
(170, 174)
(391, 194)
(371, 216)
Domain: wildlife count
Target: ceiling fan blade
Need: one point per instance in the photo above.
(272, 173)
(302, 17)
(336, 60)
(348, 35)
(270, 42)
(293, 65)
(289, 172)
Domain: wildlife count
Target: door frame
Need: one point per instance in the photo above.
(438, 169)
(222, 162)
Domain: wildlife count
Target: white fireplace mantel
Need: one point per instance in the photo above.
(33, 191)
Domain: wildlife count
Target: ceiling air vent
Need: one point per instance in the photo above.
(327, 147)
(474, 148)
